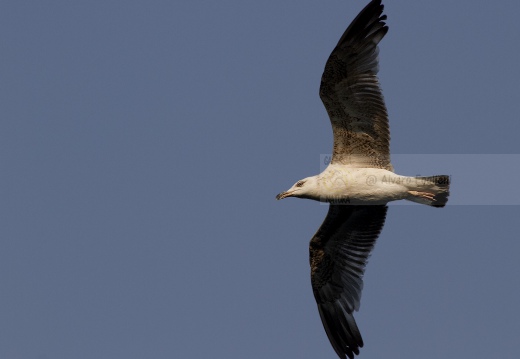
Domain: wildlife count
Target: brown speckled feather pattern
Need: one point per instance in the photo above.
(338, 255)
(352, 96)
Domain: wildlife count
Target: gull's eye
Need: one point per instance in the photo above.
(300, 183)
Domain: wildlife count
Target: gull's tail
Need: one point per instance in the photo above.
(432, 191)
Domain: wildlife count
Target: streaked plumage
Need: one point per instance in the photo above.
(358, 182)
(351, 94)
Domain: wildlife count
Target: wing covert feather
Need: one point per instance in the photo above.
(352, 95)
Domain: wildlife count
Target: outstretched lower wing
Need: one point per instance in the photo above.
(338, 255)
(352, 96)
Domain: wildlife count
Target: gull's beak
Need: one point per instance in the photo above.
(284, 195)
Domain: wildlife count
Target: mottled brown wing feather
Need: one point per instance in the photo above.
(338, 255)
(352, 96)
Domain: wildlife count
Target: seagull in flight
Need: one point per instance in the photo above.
(359, 180)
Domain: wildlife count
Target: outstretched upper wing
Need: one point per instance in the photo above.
(338, 254)
(352, 96)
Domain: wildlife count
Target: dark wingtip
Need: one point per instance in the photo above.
(367, 19)
(341, 329)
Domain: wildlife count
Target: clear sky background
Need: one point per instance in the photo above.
(143, 143)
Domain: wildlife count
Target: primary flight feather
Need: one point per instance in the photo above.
(359, 181)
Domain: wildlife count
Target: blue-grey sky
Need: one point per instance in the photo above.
(143, 143)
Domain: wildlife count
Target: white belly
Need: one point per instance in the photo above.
(343, 185)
